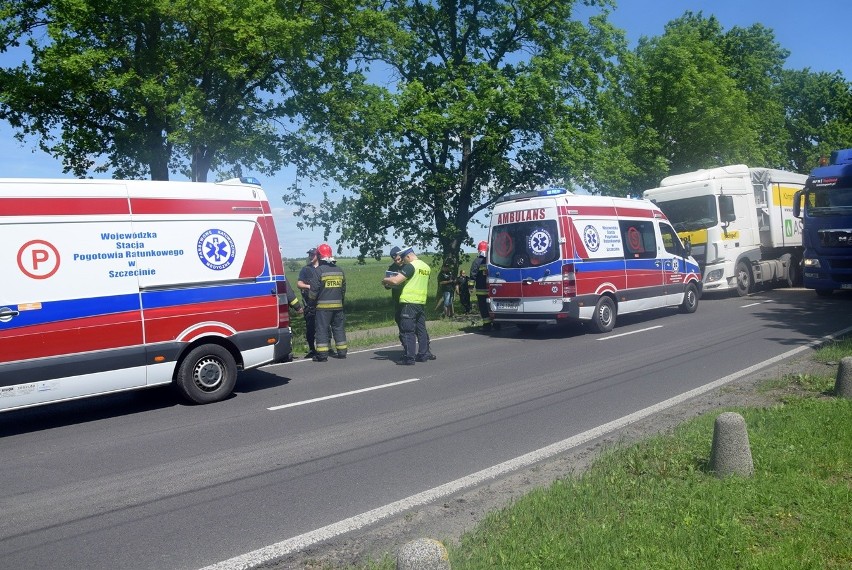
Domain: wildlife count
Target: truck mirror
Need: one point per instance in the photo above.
(726, 209)
(797, 204)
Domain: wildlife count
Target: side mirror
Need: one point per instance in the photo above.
(726, 209)
(687, 247)
(797, 204)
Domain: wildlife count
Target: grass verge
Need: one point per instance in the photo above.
(656, 505)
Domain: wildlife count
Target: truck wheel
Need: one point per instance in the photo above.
(792, 275)
(207, 374)
(603, 319)
(795, 272)
(690, 299)
(743, 279)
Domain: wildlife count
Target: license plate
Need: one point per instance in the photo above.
(506, 305)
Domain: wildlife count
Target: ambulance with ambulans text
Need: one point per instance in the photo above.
(556, 257)
(113, 285)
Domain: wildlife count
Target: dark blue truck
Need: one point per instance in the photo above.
(825, 208)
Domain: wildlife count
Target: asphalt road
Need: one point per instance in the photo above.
(140, 480)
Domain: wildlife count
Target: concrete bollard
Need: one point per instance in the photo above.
(423, 554)
(843, 384)
(731, 453)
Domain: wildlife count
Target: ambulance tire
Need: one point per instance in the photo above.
(603, 319)
(690, 299)
(744, 285)
(207, 374)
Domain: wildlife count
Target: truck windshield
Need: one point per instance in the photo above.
(525, 244)
(690, 214)
(829, 202)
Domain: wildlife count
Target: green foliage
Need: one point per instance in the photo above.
(164, 85)
(695, 97)
(486, 98)
(819, 115)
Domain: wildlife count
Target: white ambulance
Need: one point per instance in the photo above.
(555, 256)
(115, 285)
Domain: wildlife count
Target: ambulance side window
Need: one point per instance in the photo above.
(638, 239)
(671, 241)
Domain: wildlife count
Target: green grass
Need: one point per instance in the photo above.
(656, 505)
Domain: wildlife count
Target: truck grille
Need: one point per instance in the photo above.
(835, 238)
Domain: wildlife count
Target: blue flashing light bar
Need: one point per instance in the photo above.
(552, 191)
(249, 180)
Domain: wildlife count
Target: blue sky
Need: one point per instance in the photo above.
(814, 31)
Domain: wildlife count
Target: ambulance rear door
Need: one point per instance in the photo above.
(525, 270)
(70, 322)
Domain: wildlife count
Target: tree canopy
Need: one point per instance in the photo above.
(160, 86)
(696, 97)
(486, 98)
(818, 115)
(415, 116)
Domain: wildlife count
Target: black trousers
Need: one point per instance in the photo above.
(412, 331)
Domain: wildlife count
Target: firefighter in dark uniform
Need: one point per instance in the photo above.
(328, 290)
(479, 277)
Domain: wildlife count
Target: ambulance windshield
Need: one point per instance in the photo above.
(524, 244)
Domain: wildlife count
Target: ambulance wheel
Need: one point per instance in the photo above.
(603, 319)
(690, 299)
(743, 279)
(207, 374)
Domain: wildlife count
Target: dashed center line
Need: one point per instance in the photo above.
(341, 395)
(631, 332)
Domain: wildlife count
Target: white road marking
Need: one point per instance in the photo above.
(758, 303)
(281, 549)
(632, 332)
(341, 395)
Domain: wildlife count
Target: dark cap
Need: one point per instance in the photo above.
(395, 251)
(312, 252)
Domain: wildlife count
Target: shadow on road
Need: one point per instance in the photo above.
(118, 405)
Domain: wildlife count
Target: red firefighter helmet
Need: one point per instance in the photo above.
(482, 247)
(324, 251)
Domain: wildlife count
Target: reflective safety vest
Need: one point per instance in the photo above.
(416, 287)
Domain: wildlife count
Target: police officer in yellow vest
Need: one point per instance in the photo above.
(414, 278)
